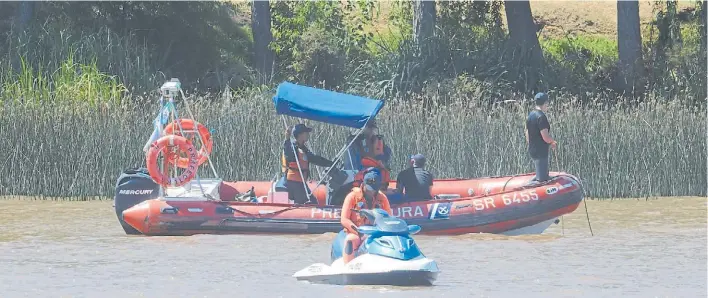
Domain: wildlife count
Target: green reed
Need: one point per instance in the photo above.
(78, 149)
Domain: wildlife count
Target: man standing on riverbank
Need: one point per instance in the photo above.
(538, 136)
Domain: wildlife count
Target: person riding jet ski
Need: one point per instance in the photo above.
(386, 255)
(368, 196)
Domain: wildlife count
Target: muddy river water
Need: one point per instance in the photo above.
(654, 248)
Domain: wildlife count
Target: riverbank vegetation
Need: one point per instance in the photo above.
(79, 79)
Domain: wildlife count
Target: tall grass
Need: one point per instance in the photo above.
(68, 129)
(79, 149)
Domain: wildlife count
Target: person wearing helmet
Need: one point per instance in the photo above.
(415, 181)
(296, 166)
(373, 151)
(368, 196)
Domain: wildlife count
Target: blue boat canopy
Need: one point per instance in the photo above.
(325, 106)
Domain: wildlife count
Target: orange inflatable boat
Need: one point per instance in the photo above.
(485, 205)
(169, 198)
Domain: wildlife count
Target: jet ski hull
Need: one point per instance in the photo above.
(368, 269)
(403, 278)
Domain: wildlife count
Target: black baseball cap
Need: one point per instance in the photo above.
(418, 160)
(372, 179)
(300, 128)
(540, 98)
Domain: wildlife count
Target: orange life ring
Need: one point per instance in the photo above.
(189, 124)
(162, 145)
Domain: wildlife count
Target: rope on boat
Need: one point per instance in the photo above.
(587, 215)
(562, 226)
(259, 215)
(507, 182)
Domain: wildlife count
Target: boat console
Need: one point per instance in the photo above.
(195, 190)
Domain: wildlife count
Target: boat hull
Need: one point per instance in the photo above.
(519, 210)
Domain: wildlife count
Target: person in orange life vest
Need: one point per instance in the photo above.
(374, 152)
(368, 196)
(297, 190)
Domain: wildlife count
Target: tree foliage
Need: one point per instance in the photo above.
(339, 45)
(314, 40)
(188, 40)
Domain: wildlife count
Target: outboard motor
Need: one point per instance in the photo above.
(133, 187)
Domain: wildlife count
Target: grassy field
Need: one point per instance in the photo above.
(590, 17)
(596, 17)
(78, 150)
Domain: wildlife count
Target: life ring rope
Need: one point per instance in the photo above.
(178, 127)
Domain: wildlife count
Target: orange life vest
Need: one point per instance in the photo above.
(360, 203)
(367, 162)
(291, 170)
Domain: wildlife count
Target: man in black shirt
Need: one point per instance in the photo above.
(415, 181)
(538, 137)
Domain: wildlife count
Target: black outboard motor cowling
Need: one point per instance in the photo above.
(133, 187)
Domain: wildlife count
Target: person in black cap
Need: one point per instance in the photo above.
(415, 181)
(296, 167)
(538, 137)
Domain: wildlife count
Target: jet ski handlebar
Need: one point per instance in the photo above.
(369, 214)
(392, 225)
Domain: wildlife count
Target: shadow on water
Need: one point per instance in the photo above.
(497, 237)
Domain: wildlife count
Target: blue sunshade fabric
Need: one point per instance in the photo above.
(324, 105)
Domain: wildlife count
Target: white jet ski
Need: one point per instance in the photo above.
(387, 256)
